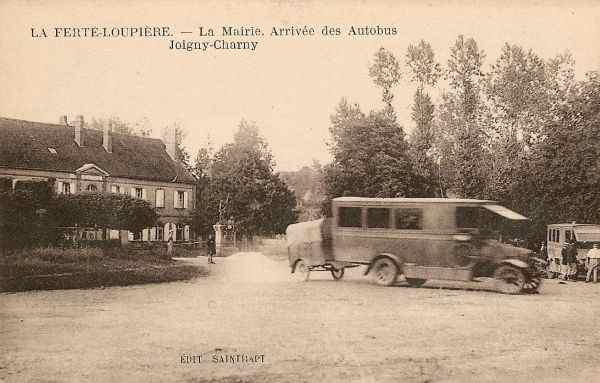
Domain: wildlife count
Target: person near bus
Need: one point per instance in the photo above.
(593, 260)
(572, 259)
(564, 262)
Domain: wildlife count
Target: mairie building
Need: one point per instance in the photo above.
(81, 159)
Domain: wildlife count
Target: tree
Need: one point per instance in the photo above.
(564, 172)
(425, 71)
(370, 157)
(102, 210)
(141, 127)
(242, 185)
(385, 72)
(462, 120)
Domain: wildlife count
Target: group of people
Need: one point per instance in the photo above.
(568, 268)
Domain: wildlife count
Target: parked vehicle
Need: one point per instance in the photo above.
(584, 236)
(418, 238)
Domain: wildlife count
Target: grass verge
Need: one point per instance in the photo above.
(55, 268)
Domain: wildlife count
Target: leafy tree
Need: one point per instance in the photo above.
(462, 121)
(370, 157)
(307, 185)
(385, 72)
(141, 127)
(564, 169)
(424, 71)
(242, 185)
(103, 210)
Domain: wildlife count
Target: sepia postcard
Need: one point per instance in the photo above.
(299, 191)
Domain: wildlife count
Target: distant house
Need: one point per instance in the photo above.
(81, 159)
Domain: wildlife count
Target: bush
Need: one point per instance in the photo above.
(30, 216)
(56, 268)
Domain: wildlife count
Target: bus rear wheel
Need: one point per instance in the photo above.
(337, 274)
(301, 271)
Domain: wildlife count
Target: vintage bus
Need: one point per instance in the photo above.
(584, 235)
(417, 238)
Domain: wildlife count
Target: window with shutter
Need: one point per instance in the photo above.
(160, 198)
(186, 233)
(185, 200)
(180, 199)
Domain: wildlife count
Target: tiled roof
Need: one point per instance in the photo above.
(25, 145)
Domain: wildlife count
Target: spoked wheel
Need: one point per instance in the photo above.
(301, 271)
(337, 274)
(385, 271)
(509, 279)
(416, 282)
(533, 284)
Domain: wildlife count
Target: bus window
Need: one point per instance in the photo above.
(378, 218)
(409, 219)
(349, 217)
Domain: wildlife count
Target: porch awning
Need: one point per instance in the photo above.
(587, 233)
(507, 213)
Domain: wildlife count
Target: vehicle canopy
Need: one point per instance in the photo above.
(304, 232)
(487, 204)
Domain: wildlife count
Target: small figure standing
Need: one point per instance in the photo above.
(211, 247)
(544, 252)
(593, 260)
(170, 247)
(564, 262)
(572, 259)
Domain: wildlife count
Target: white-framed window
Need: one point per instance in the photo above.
(160, 198)
(65, 187)
(179, 233)
(160, 233)
(137, 192)
(92, 188)
(115, 189)
(179, 199)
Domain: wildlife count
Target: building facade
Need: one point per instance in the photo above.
(88, 160)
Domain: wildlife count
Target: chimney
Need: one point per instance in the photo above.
(107, 138)
(63, 120)
(170, 141)
(79, 130)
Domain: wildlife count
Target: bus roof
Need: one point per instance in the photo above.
(413, 200)
(489, 205)
(557, 225)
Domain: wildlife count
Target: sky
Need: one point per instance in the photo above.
(288, 86)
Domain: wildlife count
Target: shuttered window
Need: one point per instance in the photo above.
(160, 198)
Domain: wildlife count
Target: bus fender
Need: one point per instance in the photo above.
(515, 262)
(393, 257)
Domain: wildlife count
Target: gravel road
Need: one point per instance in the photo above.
(290, 331)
